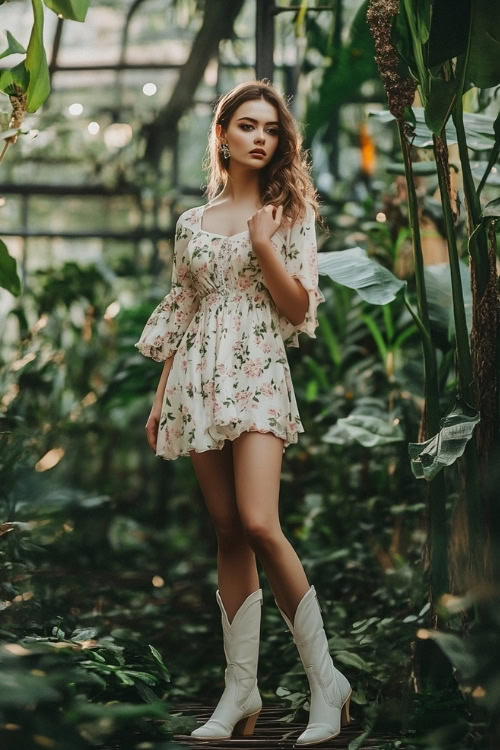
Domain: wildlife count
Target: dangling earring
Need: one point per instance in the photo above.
(225, 150)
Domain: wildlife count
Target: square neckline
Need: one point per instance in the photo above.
(216, 234)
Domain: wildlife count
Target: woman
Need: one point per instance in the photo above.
(244, 284)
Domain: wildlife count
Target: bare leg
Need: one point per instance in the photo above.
(236, 565)
(257, 459)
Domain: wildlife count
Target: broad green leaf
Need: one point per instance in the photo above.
(483, 65)
(443, 449)
(352, 660)
(364, 429)
(354, 269)
(83, 634)
(36, 63)
(479, 129)
(441, 100)
(360, 625)
(124, 678)
(8, 273)
(440, 295)
(447, 39)
(13, 47)
(144, 676)
(73, 10)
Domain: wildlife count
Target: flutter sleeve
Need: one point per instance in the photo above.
(169, 321)
(301, 262)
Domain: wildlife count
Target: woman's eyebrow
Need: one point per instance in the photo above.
(271, 122)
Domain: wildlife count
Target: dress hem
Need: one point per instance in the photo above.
(286, 443)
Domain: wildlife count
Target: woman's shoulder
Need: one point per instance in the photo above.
(190, 217)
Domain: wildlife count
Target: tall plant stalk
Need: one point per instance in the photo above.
(436, 491)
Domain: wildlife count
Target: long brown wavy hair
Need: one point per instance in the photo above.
(286, 179)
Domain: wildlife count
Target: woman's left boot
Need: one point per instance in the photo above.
(330, 689)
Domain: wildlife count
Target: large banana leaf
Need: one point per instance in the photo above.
(452, 21)
(443, 449)
(440, 296)
(364, 429)
(354, 269)
(479, 129)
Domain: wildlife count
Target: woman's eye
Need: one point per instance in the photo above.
(247, 125)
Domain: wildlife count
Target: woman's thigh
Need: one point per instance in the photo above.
(257, 460)
(214, 471)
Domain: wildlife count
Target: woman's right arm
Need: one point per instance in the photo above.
(154, 417)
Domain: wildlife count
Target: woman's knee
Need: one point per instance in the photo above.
(261, 536)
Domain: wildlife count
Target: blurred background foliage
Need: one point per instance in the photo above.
(108, 614)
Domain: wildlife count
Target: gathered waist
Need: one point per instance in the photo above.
(235, 295)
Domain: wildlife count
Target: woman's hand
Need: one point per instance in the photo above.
(152, 426)
(263, 224)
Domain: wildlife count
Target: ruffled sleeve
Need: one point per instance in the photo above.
(169, 321)
(301, 262)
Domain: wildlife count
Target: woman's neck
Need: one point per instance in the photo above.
(242, 186)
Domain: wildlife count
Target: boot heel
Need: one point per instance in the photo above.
(344, 716)
(244, 727)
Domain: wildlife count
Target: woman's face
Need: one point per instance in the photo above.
(254, 124)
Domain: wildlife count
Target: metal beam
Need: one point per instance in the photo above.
(264, 39)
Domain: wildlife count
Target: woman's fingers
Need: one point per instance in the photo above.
(152, 433)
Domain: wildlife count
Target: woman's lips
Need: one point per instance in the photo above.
(257, 153)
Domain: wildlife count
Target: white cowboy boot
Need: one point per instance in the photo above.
(330, 689)
(240, 703)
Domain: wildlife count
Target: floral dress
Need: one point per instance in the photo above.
(230, 373)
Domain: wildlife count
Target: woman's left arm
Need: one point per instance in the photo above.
(288, 294)
(294, 284)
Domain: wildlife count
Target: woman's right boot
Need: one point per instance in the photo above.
(240, 703)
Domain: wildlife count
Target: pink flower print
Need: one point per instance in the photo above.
(245, 282)
(184, 365)
(216, 407)
(272, 412)
(242, 397)
(253, 368)
(185, 409)
(221, 368)
(267, 389)
(208, 389)
(237, 346)
(292, 426)
(265, 346)
(157, 342)
(182, 272)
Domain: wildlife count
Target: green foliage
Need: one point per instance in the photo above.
(36, 62)
(13, 47)
(8, 273)
(74, 10)
(443, 449)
